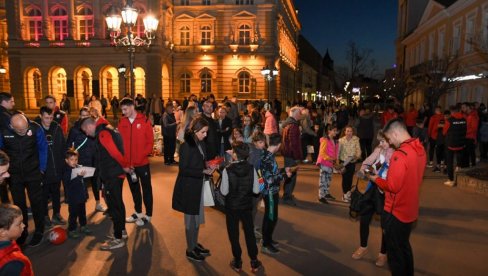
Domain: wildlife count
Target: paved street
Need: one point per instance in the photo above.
(451, 237)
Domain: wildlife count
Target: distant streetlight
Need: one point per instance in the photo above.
(269, 75)
(130, 40)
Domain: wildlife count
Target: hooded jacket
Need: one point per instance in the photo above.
(433, 125)
(455, 131)
(472, 121)
(138, 138)
(109, 158)
(291, 146)
(56, 149)
(240, 179)
(402, 184)
(270, 125)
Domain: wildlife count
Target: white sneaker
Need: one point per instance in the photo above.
(450, 183)
(345, 199)
(134, 217)
(112, 244)
(430, 165)
(124, 234)
(100, 208)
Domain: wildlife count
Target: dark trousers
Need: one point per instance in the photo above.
(144, 180)
(4, 192)
(366, 148)
(94, 181)
(306, 140)
(169, 143)
(450, 161)
(51, 189)
(232, 218)
(290, 182)
(440, 152)
(269, 224)
(347, 177)
(34, 191)
(397, 241)
(116, 208)
(77, 213)
(432, 149)
(471, 153)
(364, 222)
(484, 150)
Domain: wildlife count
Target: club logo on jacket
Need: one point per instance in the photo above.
(29, 133)
(138, 126)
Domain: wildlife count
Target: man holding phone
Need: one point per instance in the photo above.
(401, 187)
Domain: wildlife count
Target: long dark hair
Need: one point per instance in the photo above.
(197, 124)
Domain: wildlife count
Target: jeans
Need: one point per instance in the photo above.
(77, 211)
(324, 180)
(450, 161)
(364, 222)
(52, 189)
(169, 143)
(144, 178)
(268, 223)
(397, 241)
(290, 182)
(347, 177)
(232, 218)
(116, 208)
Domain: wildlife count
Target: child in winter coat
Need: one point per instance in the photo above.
(328, 153)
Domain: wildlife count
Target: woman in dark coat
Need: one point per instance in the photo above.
(187, 193)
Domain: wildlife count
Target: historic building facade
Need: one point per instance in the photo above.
(202, 47)
(447, 40)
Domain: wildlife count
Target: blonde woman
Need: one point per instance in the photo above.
(349, 153)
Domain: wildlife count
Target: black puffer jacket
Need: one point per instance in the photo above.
(241, 180)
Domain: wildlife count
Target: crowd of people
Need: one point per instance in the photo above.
(46, 157)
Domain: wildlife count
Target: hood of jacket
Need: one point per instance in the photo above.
(240, 168)
(413, 146)
(289, 121)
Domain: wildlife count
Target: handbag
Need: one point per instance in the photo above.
(208, 198)
(359, 197)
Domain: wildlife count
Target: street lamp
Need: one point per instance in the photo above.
(130, 40)
(269, 75)
(122, 70)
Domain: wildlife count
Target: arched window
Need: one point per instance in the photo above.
(244, 34)
(85, 17)
(185, 36)
(60, 83)
(185, 83)
(60, 23)
(36, 80)
(85, 81)
(244, 82)
(206, 35)
(34, 18)
(109, 85)
(206, 82)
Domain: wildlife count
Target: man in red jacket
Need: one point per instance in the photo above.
(436, 122)
(388, 115)
(401, 187)
(60, 116)
(472, 122)
(291, 150)
(137, 134)
(411, 118)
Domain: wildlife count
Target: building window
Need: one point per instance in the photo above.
(244, 82)
(60, 83)
(60, 23)
(185, 83)
(244, 35)
(456, 38)
(34, 17)
(244, 2)
(185, 2)
(206, 34)
(185, 36)
(85, 16)
(206, 82)
(468, 45)
(36, 80)
(206, 2)
(109, 85)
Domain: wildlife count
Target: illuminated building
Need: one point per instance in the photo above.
(201, 47)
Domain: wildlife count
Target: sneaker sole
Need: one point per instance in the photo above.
(195, 260)
(112, 247)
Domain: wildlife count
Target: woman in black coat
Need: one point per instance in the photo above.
(187, 193)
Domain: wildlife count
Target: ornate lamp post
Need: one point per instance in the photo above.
(269, 75)
(130, 40)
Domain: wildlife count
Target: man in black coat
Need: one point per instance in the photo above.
(7, 104)
(224, 130)
(55, 163)
(212, 141)
(26, 145)
(168, 124)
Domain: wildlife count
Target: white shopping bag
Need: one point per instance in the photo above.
(208, 199)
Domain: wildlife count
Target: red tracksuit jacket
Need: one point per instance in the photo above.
(138, 140)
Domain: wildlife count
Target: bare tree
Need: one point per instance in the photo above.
(358, 59)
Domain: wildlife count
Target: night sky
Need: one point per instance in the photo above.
(333, 23)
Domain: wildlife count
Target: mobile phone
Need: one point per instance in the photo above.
(369, 171)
